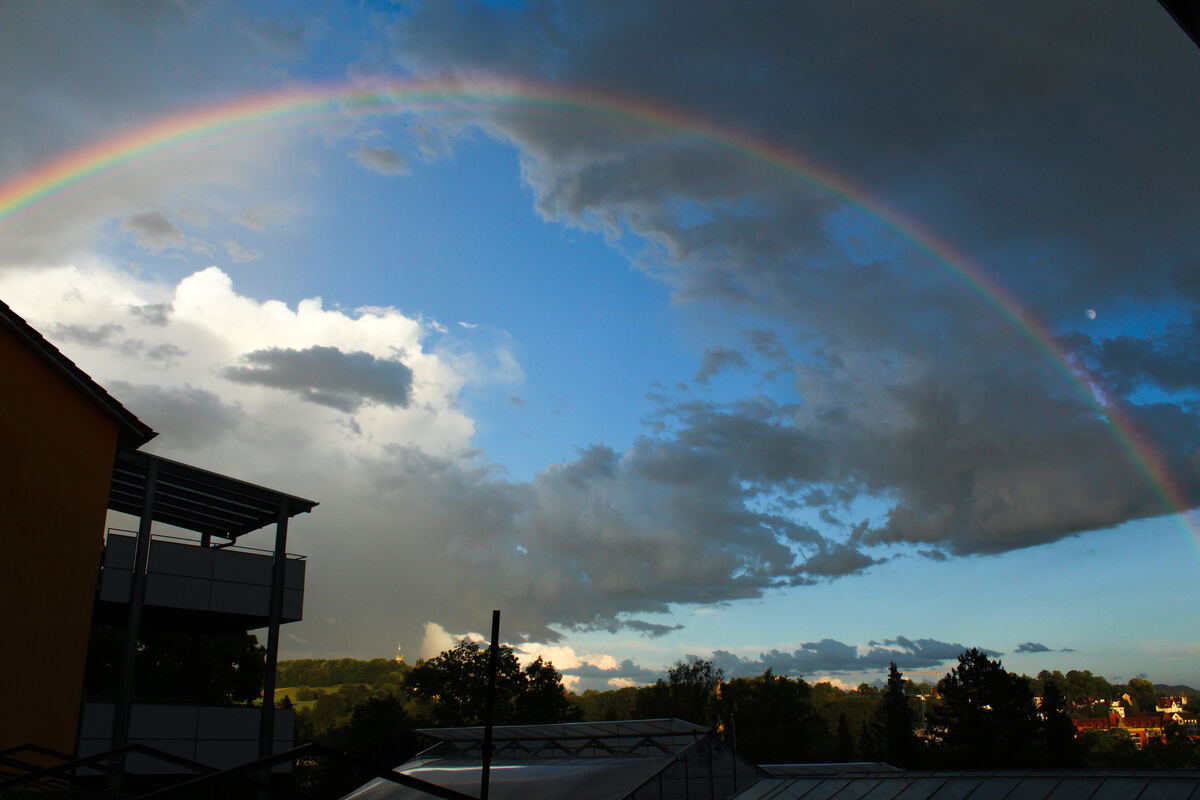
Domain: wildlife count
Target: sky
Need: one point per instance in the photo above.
(794, 335)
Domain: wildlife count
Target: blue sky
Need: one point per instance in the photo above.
(647, 397)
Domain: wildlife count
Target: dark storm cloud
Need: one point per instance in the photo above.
(154, 230)
(327, 376)
(1169, 360)
(993, 136)
(902, 98)
(829, 656)
(590, 544)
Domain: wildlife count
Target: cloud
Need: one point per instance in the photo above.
(913, 392)
(384, 160)
(717, 359)
(327, 376)
(651, 629)
(834, 657)
(154, 230)
(151, 314)
(193, 416)
(88, 82)
(822, 660)
(98, 336)
(1032, 647)
(240, 254)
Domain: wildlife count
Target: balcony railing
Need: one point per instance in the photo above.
(191, 587)
(217, 736)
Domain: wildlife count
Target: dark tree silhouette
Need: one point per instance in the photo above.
(893, 723)
(688, 693)
(776, 721)
(184, 667)
(846, 750)
(451, 688)
(1058, 732)
(987, 717)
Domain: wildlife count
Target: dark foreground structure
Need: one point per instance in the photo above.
(638, 759)
(71, 453)
(819, 782)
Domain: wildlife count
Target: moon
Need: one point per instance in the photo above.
(1090, 313)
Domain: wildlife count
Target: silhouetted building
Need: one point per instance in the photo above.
(71, 451)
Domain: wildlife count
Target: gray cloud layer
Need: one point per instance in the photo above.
(829, 656)
(327, 376)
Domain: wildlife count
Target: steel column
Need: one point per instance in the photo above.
(266, 730)
(489, 706)
(123, 707)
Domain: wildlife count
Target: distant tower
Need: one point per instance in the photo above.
(399, 654)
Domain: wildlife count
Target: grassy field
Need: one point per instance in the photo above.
(290, 691)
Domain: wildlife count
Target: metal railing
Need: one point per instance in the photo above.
(252, 774)
(230, 545)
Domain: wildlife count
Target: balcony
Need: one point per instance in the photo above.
(218, 736)
(196, 588)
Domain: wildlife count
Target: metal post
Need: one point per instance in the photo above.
(266, 728)
(733, 749)
(123, 707)
(489, 705)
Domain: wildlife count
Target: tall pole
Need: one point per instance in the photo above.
(489, 705)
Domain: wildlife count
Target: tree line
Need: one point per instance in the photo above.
(978, 715)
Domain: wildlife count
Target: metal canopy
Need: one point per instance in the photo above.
(195, 499)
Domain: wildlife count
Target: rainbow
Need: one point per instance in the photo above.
(259, 113)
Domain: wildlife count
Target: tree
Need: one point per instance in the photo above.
(845, 741)
(689, 693)
(1108, 748)
(893, 723)
(1143, 694)
(987, 717)
(543, 698)
(775, 719)
(204, 668)
(451, 688)
(1058, 732)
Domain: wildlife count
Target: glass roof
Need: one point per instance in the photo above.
(1015, 785)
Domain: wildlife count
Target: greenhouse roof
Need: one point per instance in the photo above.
(981, 785)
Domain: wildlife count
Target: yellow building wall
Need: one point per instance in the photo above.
(57, 450)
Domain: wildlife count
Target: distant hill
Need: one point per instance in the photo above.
(1169, 690)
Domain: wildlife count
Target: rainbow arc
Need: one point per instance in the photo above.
(261, 113)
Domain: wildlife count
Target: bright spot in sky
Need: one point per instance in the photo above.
(1091, 313)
